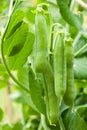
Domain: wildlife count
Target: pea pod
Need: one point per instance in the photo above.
(69, 94)
(68, 16)
(41, 41)
(52, 99)
(43, 66)
(59, 66)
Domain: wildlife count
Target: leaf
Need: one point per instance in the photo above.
(36, 91)
(80, 68)
(14, 29)
(17, 61)
(29, 14)
(19, 37)
(22, 75)
(82, 110)
(15, 22)
(73, 121)
(54, 13)
(1, 114)
(3, 84)
(18, 126)
(2, 70)
(16, 49)
(81, 99)
(6, 127)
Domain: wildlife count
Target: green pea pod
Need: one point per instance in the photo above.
(52, 105)
(41, 41)
(59, 66)
(69, 94)
(43, 66)
(68, 16)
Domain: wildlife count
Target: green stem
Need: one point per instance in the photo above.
(81, 50)
(51, 47)
(62, 127)
(72, 5)
(43, 122)
(3, 57)
(40, 126)
(77, 38)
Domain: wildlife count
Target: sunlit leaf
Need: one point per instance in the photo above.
(16, 18)
(80, 68)
(73, 121)
(36, 90)
(17, 61)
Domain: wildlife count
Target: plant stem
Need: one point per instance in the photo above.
(81, 50)
(83, 4)
(2, 52)
(43, 122)
(40, 126)
(62, 127)
(77, 38)
(10, 8)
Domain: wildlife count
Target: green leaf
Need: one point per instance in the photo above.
(80, 68)
(6, 127)
(18, 38)
(16, 49)
(14, 29)
(54, 13)
(18, 126)
(81, 99)
(1, 114)
(36, 91)
(22, 75)
(17, 61)
(29, 14)
(15, 22)
(3, 84)
(2, 70)
(73, 121)
(82, 110)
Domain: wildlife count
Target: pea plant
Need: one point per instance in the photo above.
(44, 51)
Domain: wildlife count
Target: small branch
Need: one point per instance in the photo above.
(83, 4)
(62, 127)
(80, 51)
(10, 8)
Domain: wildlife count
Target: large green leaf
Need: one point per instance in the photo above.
(22, 75)
(15, 22)
(36, 90)
(17, 40)
(17, 61)
(73, 121)
(80, 68)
